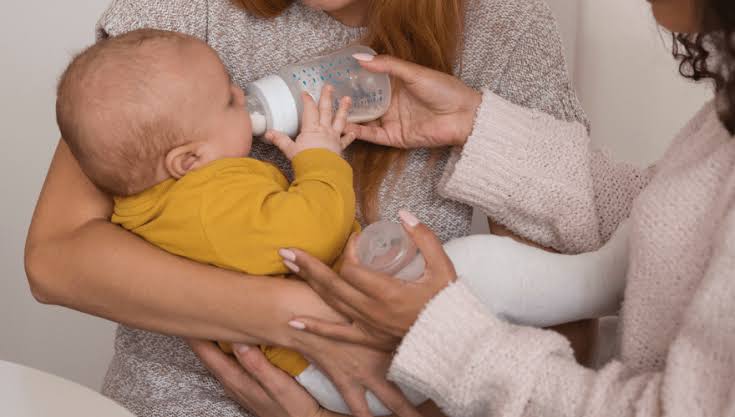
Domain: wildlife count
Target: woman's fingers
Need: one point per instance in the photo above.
(340, 119)
(407, 72)
(236, 381)
(346, 140)
(430, 246)
(279, 385)
(347, 332)
(354, 396)
(325, 105)
(324, 280)
(393, 398)
(373, 284)
(370, 133)
(310, 117)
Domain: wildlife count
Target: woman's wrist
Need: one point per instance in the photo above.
(467, 123)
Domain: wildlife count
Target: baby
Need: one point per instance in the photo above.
(154, 120)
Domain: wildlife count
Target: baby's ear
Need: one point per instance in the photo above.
(182, 159)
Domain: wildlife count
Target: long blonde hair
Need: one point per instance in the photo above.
(427, 32)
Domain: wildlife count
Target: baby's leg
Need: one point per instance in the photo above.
(530, 286)
(321, 388)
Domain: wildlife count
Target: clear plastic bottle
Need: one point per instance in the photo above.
(274, 102)
(385, 247)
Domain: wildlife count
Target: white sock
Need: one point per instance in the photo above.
(321, 388)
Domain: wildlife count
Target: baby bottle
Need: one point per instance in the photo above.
(385, 247)
(274, 102)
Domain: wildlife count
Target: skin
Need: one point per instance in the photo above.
(384, 308)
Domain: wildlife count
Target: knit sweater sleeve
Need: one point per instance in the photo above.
(541, 177)
(185, 16)
(486, 367)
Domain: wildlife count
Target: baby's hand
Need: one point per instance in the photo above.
(320, 129)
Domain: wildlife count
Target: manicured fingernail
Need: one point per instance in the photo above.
(297, 325)
(363, 57)
(292, 266)
(407, 218)
(287, 255)
(240, 348)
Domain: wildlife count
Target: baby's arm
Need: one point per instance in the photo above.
(533, 287)
(248, 215)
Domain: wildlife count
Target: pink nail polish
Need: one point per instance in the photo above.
(408, 219)
(292, 266)
(287, 254)
(363, 57)
(297, 325)
(240, 348)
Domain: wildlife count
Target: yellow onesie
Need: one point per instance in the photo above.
(236, 213)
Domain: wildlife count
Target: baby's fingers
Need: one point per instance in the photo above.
(325, 105)
(340, 119)
(310, 118)
(282, 141)
(347, 140)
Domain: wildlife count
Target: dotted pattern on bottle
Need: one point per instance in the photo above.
(348, 78)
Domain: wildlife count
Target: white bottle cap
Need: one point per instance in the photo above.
(281, 111)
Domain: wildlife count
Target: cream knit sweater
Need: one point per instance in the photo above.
(677, 327)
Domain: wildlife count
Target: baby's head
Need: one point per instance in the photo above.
(149, 105)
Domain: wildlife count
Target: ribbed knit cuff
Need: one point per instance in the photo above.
(427, 356)
(456, 343)
(486, 171)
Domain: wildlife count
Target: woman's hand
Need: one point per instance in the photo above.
(259, 386)
(256, 384)
(382, 308)
(428, 108)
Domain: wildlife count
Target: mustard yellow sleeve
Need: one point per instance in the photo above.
(247, 215)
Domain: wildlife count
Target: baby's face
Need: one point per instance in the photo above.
(214, 106)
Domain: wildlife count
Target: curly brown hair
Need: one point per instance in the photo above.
(710, 54)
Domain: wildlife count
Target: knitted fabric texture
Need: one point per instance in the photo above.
(677, 324)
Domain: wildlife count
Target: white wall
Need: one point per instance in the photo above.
(36, 40)
(626, 79)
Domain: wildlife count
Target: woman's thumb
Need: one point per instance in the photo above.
(428, 243)
(398, 68)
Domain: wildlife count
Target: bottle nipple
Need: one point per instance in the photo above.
(258, 123)
(258, 120)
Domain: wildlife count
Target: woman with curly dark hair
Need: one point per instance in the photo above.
(677, 322)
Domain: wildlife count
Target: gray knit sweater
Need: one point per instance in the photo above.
(510, 47)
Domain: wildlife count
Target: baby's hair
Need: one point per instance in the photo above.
(116, 124)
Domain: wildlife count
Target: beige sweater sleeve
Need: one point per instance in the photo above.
(541, 177)
(486, 367)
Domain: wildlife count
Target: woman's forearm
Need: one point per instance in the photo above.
(106, 271)
(76, 258)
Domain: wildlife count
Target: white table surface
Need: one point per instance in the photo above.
(27, 392)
